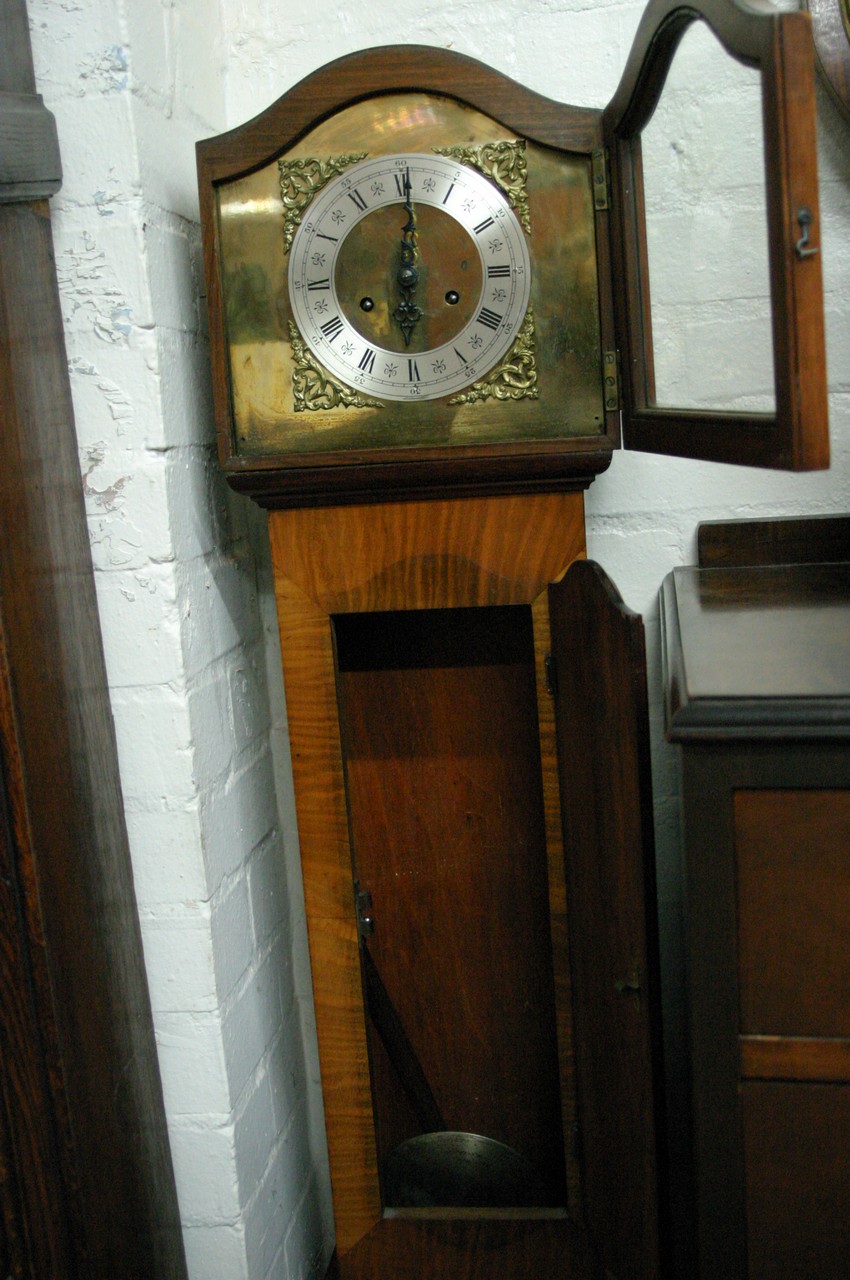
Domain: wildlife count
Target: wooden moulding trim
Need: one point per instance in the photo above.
(795, 1058)
(557, 897)
(797, 283)
(744, 30)
(794, 540)
(424, 555)
(278, 488)
(334, 479)
(309, 680)
(795, 436)
(394, 69)
(30, 165)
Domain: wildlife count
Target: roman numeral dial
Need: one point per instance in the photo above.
(464, 250)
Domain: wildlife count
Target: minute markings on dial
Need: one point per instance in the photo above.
(343, 345)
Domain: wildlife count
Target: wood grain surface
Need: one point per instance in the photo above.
(442, 760)
(793, 869)
(354, 560)
(792, 540)
(798, 1180)
(86, 1151)
(795, 1058)
(402, 1248)
(423, 555)
(606, 796)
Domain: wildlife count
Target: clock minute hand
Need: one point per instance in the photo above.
(407, 313)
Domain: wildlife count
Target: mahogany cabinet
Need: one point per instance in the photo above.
(757, 674)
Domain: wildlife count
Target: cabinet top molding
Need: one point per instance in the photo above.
(757, 652)
(30, 166)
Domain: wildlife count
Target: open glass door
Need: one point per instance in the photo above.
(716, 245)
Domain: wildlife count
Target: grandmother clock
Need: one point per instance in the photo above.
(429, 312)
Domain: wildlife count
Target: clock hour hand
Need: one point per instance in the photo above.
(407, 313)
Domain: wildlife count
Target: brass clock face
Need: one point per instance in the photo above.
(504, 345)
(409, 277)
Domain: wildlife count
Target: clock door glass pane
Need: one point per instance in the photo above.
(720, 299)
(706, 231)
(443, 776)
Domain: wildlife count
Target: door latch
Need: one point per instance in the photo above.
(363, 905)
(804, 220)
(631, 984)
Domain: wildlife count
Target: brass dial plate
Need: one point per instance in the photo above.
(409, 277)
(547, 387)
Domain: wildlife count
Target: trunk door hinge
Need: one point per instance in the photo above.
(611, 380)
(601, 178)
(550, 671)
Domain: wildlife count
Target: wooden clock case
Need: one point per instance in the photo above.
(795, 436)
(467, 712)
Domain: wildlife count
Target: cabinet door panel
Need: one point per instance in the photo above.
(793, 868)
(442, 760)
(798, 1180)
(603, 760)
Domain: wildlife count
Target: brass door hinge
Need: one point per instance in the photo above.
(611, 380)
(363, 905)
(601, 178)
(550, 672)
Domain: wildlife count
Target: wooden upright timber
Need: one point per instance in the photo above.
(86, 1185)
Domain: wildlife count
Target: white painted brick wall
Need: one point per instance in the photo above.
(182, 565)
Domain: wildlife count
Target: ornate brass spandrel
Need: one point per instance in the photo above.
(514, 378)
(313, 388)
(301, 179)
(503, 163)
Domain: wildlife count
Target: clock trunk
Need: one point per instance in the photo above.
(479, 897)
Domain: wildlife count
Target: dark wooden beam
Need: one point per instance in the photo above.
(86, 1184)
